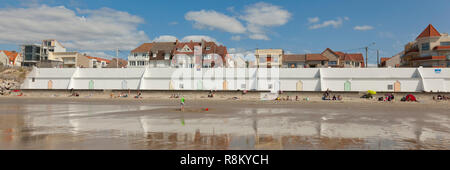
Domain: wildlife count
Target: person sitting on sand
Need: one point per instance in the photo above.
(296, 98)
(211, 94)
(334, 97)
(138, 96)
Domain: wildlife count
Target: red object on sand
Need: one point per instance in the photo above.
(16, 90)
(411, 98)
(206, 109)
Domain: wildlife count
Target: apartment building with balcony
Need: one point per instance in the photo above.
(50, 46)
(139, 57)
(31, 54)
(429, 49)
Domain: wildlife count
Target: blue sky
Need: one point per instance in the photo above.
(293, 25)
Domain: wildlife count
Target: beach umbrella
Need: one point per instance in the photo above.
(372, 92)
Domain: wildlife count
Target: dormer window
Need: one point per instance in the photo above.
(208, 48)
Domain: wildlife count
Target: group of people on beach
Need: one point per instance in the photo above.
(441, 97)
(327, 96)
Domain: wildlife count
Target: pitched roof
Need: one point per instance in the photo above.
(99, 59)
(354, 57)
(430, 31)
(11, 54)
(146, 47)
(181, 45)
(316, 57)
(384, 59)
(294, 57)
(166, 47)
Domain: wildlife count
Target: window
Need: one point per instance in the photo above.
(445, 43)
(32, 79)
(135, 54)
(332, 62)
(390, 87)
(425, 46)
(275, 59)
(208, 48)
(144, 55)
(270, 86)
(262, 60)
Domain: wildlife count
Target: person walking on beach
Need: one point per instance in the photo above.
(182, 104)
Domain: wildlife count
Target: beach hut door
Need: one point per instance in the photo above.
(225, 85)
(199, 85)
(347, 86)
(50, 84)
(91, 84)
(124, 85)
(397, 86)
(171, 85)
(299, 86)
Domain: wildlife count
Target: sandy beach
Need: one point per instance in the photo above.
(61, 122)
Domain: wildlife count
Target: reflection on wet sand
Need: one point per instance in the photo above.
(77, 126)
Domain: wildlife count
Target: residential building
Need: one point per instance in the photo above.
(31, 54)
(268, 58)
(50, 46)
(304, 61)
(213, 55)
(117, 63)
(97, 62)
(430, 49)
(178, 54)
(236, 62)
(343, 60)
(161, 54)
(294, 61)
(4, 58)
(139, 57)
(72, 59)
(187, 55)
(393, 61)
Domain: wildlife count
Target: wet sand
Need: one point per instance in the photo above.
(152, 123)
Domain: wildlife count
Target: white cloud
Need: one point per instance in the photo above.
(313, 20)
(173, 23)
(236, 38)
(363, 28)
(258, 17)
(259, 37)
(214, 20)
(199, 38)
(101, 29)
(165, 38)
(334, 23)
(262, 15)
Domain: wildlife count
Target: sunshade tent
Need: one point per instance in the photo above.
(411, 98)
(371, 92)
